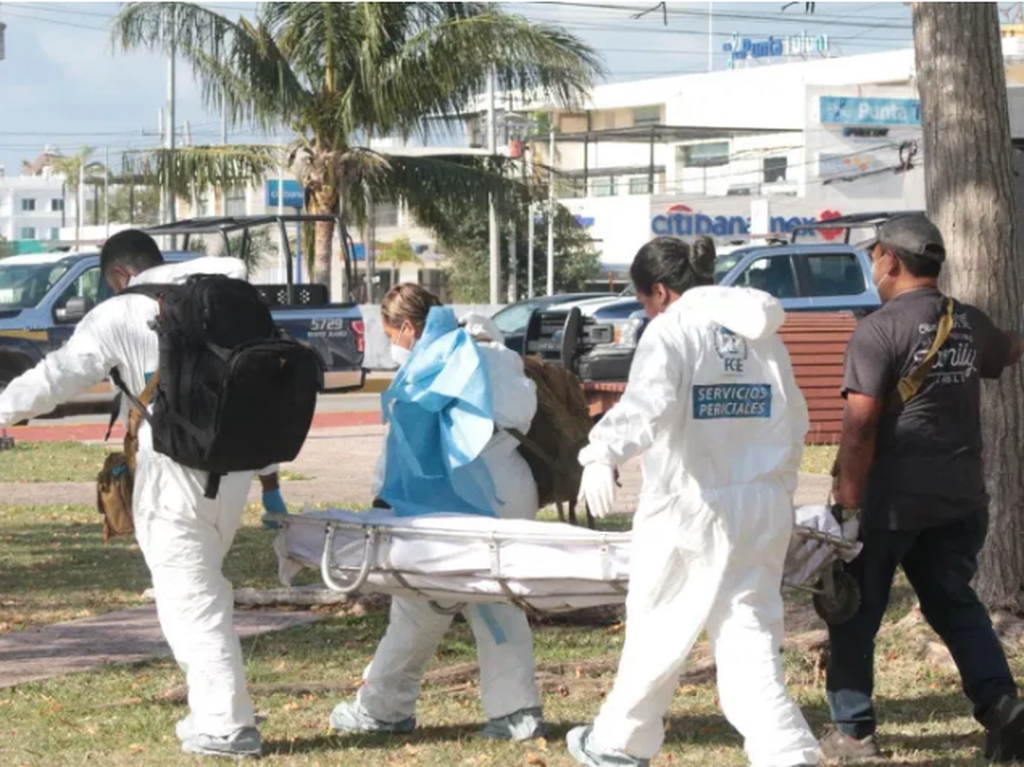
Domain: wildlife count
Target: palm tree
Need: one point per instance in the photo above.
(340, 74)
(76, 169)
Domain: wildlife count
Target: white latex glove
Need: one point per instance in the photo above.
(597, 488)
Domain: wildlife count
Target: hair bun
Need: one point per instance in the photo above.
(702, 257)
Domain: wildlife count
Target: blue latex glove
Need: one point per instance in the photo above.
(274, 506)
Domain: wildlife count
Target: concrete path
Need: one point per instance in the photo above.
(126, 636)
(339, 464)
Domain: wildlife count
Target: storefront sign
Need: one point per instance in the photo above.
(843, 110)
(743, 48)
(294, 197)
(682, 221)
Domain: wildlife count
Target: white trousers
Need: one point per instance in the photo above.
(716, 564)
(184, 538)
(504, 647)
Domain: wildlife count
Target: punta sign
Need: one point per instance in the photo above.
(682, 221)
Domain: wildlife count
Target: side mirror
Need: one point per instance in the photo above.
(74, 310)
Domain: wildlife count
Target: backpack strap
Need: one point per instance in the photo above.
(141, 403)
(534, 448)
(911, 383)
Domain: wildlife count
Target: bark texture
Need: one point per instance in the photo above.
(971, 194)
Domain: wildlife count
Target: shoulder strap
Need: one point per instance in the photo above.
(140, 403)
(911, 383)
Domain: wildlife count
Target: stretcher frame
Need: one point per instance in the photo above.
(830, 586)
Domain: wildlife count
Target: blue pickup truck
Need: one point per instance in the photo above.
(43, 296)
(596, 338)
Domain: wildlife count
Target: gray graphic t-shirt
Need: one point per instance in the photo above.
(927, 469)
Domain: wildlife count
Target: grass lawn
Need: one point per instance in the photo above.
(818, 459)
(53, 566)
(68, 462)
(53, 461)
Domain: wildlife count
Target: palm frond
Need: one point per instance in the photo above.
(434, 187)
(202, 166)
(236, 63)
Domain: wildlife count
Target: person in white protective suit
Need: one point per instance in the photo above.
(713, 406)
(391, 683)
(183, 536)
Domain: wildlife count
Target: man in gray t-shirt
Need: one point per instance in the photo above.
(914, 470)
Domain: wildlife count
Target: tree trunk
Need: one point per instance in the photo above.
(322, 202)
(970, 189)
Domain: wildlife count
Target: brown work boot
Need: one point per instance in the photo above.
(1004, 730)
(837, 746)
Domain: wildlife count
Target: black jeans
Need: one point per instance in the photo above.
(939, 563)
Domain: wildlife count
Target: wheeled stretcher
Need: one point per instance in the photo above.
(453, 560)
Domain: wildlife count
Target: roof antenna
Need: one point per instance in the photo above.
(808, 7)
(664, 13)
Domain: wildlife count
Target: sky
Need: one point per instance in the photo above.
(63, 85)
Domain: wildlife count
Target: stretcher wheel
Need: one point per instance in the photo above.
(839, 597)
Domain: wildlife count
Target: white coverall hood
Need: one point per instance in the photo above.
(713, 406)
(747, 312)
(178, 272)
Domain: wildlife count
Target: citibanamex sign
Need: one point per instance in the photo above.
(683, 221)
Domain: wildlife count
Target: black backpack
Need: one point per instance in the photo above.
(234, 393)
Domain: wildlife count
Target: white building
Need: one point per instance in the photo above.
(688, 154)
(33, 208)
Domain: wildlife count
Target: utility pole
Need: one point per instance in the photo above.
(711, 35)
(106, 190)
(224, 142)
(161, 129)
(529, 253)
(171, 202)
(551, 208)
(492, 145)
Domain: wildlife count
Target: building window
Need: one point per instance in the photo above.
(385, 214)
(235, 202)
(56, 205)
(28, 205)
(703, 155)
(647, 116)
(54, 232)
(28, 232)
(774, 169)
(640, 185)
(603, 186)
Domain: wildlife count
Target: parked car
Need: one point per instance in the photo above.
(513, 319)
(44, 296)
(598, 338)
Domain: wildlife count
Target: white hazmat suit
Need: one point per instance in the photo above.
(713, 405)
(183, 536)
(503, 638)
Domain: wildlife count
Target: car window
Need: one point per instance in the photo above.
(725, 264)
(833, 274)
(89, 285)
(772, 274)
(24, 286)
(513, 319)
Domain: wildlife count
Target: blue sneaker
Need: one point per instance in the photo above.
(525, 724)
(350, 717)
(246, 743)
(577, 739)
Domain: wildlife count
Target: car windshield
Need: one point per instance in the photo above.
(513, 319)
(725, 264)
(23, 286)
